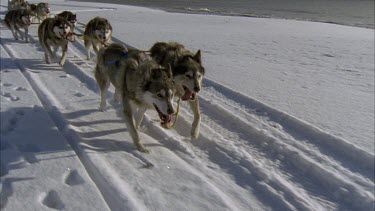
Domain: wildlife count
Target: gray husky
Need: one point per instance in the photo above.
(55, 32)
(188, 74)
(15, 19)
(98, 33)
(42, 11)
(17, 4)
(70, 17)
(139, 82)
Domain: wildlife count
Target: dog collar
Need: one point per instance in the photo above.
(124, 55)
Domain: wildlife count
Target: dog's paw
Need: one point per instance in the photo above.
(61, 63)
(194, 134)
(141, 148)
(102, 107)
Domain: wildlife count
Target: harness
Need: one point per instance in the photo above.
(125, 55)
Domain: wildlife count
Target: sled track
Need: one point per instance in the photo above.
(279, 143)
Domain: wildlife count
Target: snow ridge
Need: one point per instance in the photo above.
(249, 155)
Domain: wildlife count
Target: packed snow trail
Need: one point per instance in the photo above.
(249, 155)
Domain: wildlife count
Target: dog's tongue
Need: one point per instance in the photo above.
(187, 95)
(70, 37)
(167, 120)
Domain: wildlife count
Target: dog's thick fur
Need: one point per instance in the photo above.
(70, 17)
(15, 19)
(139, 81)
(54, 32)
(188, 74)
(17, 4)
(98, 33)
(42, 11)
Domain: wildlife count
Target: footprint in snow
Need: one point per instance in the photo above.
(52, 200)
(78, 94)
(73, 178)
(7, 84)
(20, 89)
(30, 157)
(9, 96)
(29, 148)
(3, 170)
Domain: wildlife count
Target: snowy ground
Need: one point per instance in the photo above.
(288, 120)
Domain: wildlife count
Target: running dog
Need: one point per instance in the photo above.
(55, 32)
(139, 81)
(42, 11)
(70, 17)
(98, 33)
(17, 4)
(188, 74)
(16, 19)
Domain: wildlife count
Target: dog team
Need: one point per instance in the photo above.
(142, 79)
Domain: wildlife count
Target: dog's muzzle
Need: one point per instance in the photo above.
(165, 118)
(189, 95)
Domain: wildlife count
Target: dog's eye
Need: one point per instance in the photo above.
(188, 76)
(159, 95)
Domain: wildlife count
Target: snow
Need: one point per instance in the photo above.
(287, 120)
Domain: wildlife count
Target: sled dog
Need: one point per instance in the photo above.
(16, 19)
(55, 32)
(188, 74)
(17, 4)
(98, 33)
(42, 11)
(70, 17)
(140, 83)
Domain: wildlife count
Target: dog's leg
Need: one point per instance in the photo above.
(19, 31)
(88, 45)
(26, 34)
(54, 53)
(96, 49)
(194, 105)
(103, 83)
(64, 49)
(117, 95)
(15, 35)
(140, 115)
(131, 126)
(46, 52)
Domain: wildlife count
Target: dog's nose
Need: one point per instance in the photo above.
(170, 111)
(197, 89)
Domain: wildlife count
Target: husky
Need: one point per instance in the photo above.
(17, 4)
(55, 32)
(139, 81)
(98, 33)
(188, 74)
(70, 17)
(16, 19)
(42, 11)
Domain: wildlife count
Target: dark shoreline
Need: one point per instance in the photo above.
(354, 13)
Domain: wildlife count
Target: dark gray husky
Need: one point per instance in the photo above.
(188, 74)
(140, 83)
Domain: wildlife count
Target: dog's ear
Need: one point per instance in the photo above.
(197, 57)
(169, 71)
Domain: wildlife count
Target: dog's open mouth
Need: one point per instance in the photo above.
(166, 119)
(188, 95)
(69, 36)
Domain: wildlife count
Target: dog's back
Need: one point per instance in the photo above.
(70, 17)
(10, 18)
(166, 53)
(43, 29)
(42, 10)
